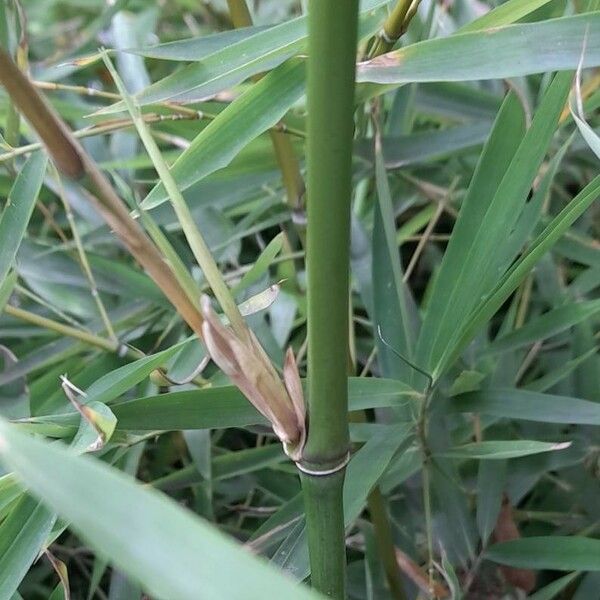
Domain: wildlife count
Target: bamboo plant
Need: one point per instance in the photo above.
(412, 414)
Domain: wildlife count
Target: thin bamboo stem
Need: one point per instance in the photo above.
(195, 239)
(59, 313)
(118, 124)
(73, 332)
(330, 93)
(394, 27)
(83, 261)
(109, 127)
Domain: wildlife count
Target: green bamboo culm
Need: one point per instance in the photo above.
(330, 97)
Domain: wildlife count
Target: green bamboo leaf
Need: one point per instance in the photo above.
(18, 209)
(198, 48)
(505, 14)
(532, 211)
(261, 265)
(491, 479)
(457, 528)
(219, 407)
(557, 553)
(494, 53)
(259, 108)
(214, 407)
(235, 57)
(393, 308)
(527, 405)
(585, 282)
(513, 277)
(500, 450)
(6, 288)
(227, 67)
(231, 464)
(117, 382)
(553, 589)
(494, 162)
(255, 111)
(368, 466)
(424, 146)
(545, 326)
(22, 536)
(545, 382)
(124, 522)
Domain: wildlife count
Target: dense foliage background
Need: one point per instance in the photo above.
(475, 373)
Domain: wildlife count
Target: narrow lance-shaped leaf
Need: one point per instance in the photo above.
(22, 536)
(224, 60)
(18, 209)
(259, 108)
(558, 553)
(255, 111)
(546, 325)
(507, 284)
(495, 53)
(392, 305)
(527, 405)
(477, 274)
(494, 161)
(500, 450)
(145, 534)
(504, 14)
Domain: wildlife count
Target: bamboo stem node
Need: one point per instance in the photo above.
(323, 472)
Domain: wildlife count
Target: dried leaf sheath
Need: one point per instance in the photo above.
(246, 363)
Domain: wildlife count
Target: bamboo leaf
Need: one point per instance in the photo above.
(553, 589)
(6, 288)
(226, 407)
(124, 522)
(424, 146)
(519, 270)
(215, 407)
(18, 209)
(558, 553)
(198, 48)
(22, 536)
(494, 53)
(117, 382)
(224, 60)
(527, 405)
(545, 326)
(491, 479)
(500, 450)
(491, 168)
(259, 108)
(393, 309)
(504, 14)
(261, 265)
